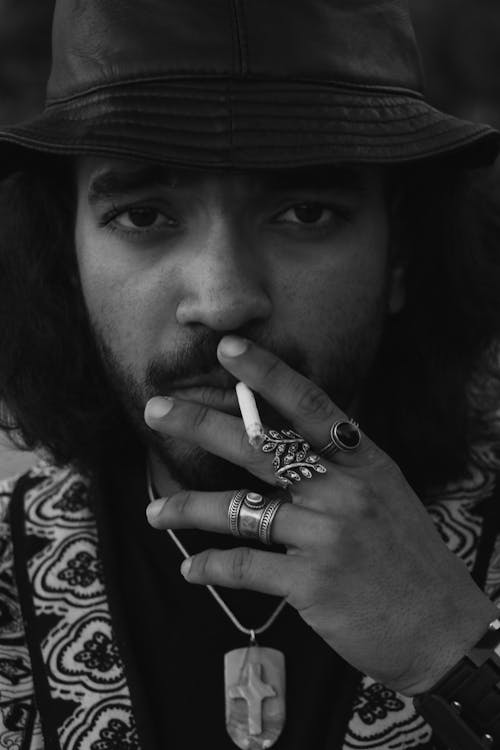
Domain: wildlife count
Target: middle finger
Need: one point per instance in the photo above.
(293, 525)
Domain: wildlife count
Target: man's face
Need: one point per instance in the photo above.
(172, 260)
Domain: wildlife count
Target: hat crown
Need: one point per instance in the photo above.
(356, 42)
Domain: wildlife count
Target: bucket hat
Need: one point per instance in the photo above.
(240, 84)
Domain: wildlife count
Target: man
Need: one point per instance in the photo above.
(211, 197)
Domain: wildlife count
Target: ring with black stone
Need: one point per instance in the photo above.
(345, 435)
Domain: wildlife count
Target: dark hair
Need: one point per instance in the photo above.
(53, 390)
(447, 222)
(437, 379)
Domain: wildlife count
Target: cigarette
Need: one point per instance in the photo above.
(250, 415)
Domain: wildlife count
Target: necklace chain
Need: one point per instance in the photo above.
(252, 632)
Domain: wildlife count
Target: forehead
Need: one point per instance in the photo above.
(104, 178)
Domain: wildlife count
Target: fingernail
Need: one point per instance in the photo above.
(154, 509)
(159, 407)
(232, 346)
(186, 567)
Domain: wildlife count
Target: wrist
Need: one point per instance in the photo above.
(463, 708)
(455, 640)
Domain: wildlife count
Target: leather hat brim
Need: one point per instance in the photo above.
(247, 125)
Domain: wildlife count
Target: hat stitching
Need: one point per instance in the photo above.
(240, 7)
(346, 104)
(307, 161)
(375, 125)
(287, 126)
(372, 138)
(229, 103)
(328, 84)
(174, 106)
(195, 114)
(239, 38)
(234, 43)
(253, 97)
(320, 113)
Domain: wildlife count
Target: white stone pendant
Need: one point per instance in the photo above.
(255, 696)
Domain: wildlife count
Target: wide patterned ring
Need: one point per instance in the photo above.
(233, 511)
(251, 515)
(266, 521)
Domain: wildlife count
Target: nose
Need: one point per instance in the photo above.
(224, 280)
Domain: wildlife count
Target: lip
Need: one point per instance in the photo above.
(221, 380)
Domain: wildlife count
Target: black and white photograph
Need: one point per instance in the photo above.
(249, 374)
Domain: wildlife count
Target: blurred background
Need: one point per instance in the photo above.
(459, 41)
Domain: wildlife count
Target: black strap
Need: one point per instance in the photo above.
(437, 709)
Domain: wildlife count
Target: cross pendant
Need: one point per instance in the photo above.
(254, 691)
(255, 696)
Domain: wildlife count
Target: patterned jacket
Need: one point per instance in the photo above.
(76, 664)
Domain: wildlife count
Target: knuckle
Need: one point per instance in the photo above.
(241, 564)
(200, 417)
(378, 460)
(365, 505)
(200, 566)
(243, 444)
(362, 498)
(313, 402)
(328, 532)
(182, 501)
(387, 467)
(271, 368)
(253, 460)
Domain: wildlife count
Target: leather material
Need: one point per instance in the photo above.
(362, 42)
(240, 84)
(356, 41)
(252, 125)
(97, 42)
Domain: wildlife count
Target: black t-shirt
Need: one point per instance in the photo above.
(173, 635)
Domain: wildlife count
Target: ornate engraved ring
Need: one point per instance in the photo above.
(251, 515)
(293, 460)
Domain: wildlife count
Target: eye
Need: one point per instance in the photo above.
(141, 217)
(316, 214)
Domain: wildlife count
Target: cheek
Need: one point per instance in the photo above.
(126, 309)
(341, 290)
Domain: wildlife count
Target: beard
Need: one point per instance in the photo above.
(341, 375)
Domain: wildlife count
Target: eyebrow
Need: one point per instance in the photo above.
(332, 177)
(112, 183)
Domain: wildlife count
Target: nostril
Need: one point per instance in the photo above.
(224, 308)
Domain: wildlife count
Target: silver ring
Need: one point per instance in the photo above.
(251, 515)
(293, 459)
(345, 436)
(267, 518)
(233, 511)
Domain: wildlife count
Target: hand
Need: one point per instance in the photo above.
(364, 564)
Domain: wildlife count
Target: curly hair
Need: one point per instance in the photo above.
(417, 406)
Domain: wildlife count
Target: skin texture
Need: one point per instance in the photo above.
(237, 260)
(306, 307)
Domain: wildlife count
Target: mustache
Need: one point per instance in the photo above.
(198, 357)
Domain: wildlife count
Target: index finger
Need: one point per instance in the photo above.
(303, 404)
